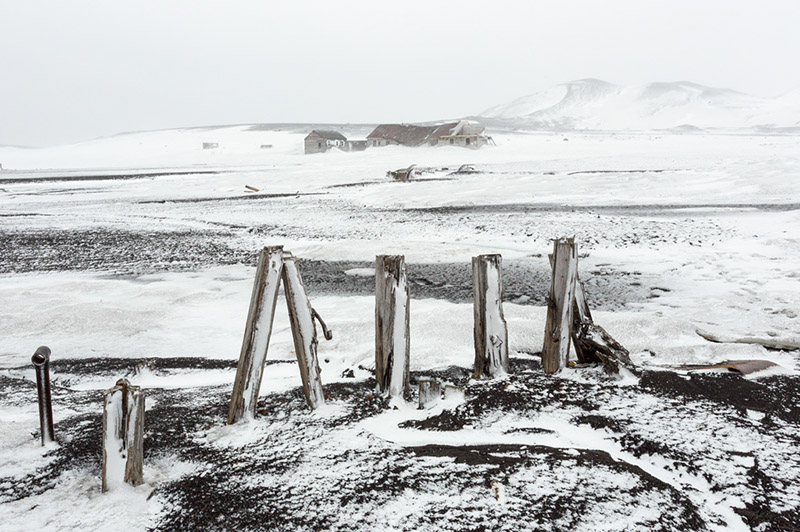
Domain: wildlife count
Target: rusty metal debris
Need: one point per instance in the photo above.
(744, 367)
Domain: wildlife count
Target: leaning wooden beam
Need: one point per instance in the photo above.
(490, 330)
(301, 317)
(392, 338)
(555, 350)
(123, 435)
(256, 334)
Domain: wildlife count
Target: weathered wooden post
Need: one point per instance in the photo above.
(304, 334)
(41, 362)
(430, 391)
(392, 338)
(555, 350)
(123, 435)
(256, 334)
(490, 330)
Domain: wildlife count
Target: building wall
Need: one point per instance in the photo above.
(372, 143)
(464, 141)
(315, 144)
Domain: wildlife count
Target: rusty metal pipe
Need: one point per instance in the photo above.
(41, 362)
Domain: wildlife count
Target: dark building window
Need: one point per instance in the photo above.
(467, 141)
(452, 141)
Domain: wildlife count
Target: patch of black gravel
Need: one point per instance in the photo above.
(777, 396)
(115, 250)
(525, 281)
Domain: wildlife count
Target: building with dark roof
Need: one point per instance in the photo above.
(319, 141)
(462, 133)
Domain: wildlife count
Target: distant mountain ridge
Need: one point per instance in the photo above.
(593, 104)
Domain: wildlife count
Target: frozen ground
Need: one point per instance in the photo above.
(149, 276)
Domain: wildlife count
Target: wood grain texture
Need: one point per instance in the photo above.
(392, 335)
(258, 330)
(490, 331)
(123, 435)
(555, 350)
(304, 333)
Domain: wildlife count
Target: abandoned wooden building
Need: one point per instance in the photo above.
(462, 133)
(319, 141)
(322, 140)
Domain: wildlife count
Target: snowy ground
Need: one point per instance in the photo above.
(150, 277)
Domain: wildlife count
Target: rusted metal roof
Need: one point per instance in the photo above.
(328, 135)
(410, 134)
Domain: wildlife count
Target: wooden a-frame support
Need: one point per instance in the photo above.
(276, 265)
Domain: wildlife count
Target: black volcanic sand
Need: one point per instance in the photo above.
(257, 485)
(131, 253)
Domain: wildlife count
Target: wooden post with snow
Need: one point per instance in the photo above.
(555, 350)
(123, 435)
(490, 330)
(301, 317)
(256, 334)
(392, 337)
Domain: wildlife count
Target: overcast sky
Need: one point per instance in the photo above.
(73, 70)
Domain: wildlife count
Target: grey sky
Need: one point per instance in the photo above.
(74, 70)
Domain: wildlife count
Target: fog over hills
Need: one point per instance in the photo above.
(598, 105)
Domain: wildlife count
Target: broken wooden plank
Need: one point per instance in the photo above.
(123, 435)
(304, 334)
(392, 337)
(430, 391)
(769, 343)
(743, 367)
(490, 331)
(581, 314)
(596, 343)
(256, 334)
(555, 350)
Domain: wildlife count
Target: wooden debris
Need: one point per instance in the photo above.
(256, 334)
(250, 189)
(769, 343)
(301, 317)
(392, 337)
(592, 343)
(123, 435)
(489, 330)
(596, 344)
(744, 367)
(452, 391)
(403, 174)
(430, 391)
(555, 350)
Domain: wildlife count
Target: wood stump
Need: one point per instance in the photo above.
(392, 337)
(555, 351)
(489, 330)
(123, 435)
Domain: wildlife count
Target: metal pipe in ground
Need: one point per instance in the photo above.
(41, 362)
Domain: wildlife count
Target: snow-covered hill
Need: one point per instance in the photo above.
(599, 105)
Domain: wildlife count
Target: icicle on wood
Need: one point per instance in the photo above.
(392, 338)
(301, 317)
(490, 330)
(430, 391)
(555, 350)
(123, 435)
(256, 334)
